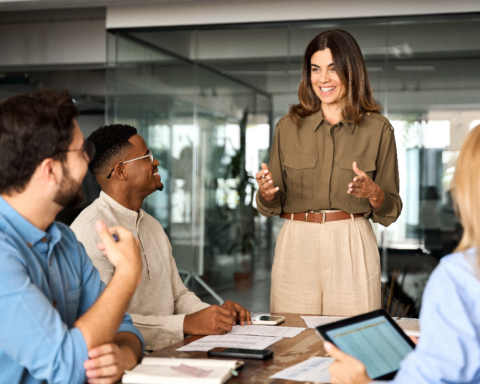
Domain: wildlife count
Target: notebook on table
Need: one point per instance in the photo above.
(155, 370)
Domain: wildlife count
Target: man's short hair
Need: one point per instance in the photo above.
(110, 142)
(33, 127)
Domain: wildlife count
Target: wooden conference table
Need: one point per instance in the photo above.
(287, 352)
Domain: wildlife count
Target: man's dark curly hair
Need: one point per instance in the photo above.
(33, 127)
(110, 141)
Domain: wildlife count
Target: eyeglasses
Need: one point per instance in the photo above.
(149, 154)
(88, 151)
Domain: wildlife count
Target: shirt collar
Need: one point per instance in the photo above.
(27, 231)
(315, 120)
(117, 207)
(349, 125)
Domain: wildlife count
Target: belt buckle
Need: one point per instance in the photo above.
(317, 212)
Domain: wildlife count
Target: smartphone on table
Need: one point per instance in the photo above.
(259, 354)
(268, 320)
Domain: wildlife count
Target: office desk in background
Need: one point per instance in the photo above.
(286, 352)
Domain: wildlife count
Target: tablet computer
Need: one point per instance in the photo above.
(373, 338)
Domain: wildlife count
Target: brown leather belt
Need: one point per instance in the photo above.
(319, 217)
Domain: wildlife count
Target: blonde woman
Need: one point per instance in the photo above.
(449, 347)
(333, 166)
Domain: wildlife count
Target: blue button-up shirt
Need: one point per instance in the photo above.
(46, 283)
(449, 346)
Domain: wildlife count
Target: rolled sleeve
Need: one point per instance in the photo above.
(274, 207)
(387, 206)
(387, 179)
(127, 326)
(268, 208)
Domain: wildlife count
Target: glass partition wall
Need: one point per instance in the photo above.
(206, 100)
(198, 122)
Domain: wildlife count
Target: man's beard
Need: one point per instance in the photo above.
(70, 194)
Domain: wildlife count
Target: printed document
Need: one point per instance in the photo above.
(230, 341)
(410, 326)
(314, 369)
(265, 330)
(315, 321)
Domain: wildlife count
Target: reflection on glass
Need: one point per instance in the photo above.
(209, 132)
(207, 100)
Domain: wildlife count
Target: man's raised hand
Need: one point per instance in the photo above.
(122, 253)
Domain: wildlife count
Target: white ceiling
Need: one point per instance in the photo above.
(23, 5)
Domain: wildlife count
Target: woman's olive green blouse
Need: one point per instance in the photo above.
(312, 166)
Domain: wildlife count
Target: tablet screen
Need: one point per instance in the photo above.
(375, 342)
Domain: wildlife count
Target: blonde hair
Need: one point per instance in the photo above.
(466, 190)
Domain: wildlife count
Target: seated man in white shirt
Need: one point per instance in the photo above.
(162, 308)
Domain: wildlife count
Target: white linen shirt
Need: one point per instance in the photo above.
(161, 301)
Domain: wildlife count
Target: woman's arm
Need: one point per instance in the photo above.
(274, 206)
(383, 191)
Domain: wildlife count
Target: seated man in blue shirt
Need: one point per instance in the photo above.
(60, 324)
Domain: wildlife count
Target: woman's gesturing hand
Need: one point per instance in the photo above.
(265, 182)
(364, 187)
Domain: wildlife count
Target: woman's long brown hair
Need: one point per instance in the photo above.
(350, 67)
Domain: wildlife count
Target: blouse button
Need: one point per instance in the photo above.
(54, 303)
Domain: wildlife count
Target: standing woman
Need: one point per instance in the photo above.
(333, 166)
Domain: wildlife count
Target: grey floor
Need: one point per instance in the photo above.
(256, 299)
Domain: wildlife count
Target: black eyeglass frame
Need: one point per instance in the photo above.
(149, 154)
(88, 149)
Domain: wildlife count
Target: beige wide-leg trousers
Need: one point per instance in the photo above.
(326, 269)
